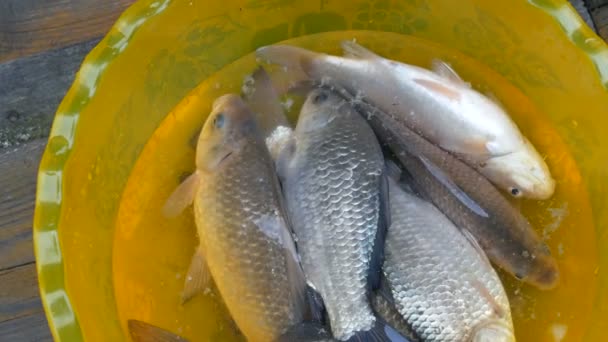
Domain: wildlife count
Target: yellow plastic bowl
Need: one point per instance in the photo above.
(160, 50)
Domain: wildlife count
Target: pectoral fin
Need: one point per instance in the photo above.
(182, 196)
(144, 332)
(276, 229)
(384, 223)
(449, 184)
(198, 277)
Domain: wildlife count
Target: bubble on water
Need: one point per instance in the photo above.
(557, 217)
(248, 85)
(559, 332)
(189, 278)
(560, 249)
(277, 140)
(287, 104)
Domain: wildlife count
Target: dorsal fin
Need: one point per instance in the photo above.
(353, 50)
(444, 70)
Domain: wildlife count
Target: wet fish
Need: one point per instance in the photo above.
(263, 100)
(441, 281)
(245, 240)
(469, 200)
(437, 104)
(384, 307)
(332, 174)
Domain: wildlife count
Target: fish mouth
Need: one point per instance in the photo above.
(493, 332)
(224, 158)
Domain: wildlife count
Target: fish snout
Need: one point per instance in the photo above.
(493, 332)
(521, 174)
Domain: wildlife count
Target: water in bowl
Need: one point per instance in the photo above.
(151, 254)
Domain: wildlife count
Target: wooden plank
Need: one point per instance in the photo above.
(32, 328)
(31, 88)
(31, 26)
(593, 4)
(18, 171)
(600, 18)
(582, 10)
(21, 314)
(19, 292)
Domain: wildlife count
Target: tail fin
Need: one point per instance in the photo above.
(263, 99)
(144, 332)
(295, 59)
(306, 332)
(381, 332)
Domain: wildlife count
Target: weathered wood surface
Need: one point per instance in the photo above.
(21, 314)
(599, 13)
(31, 26)
(30, 90)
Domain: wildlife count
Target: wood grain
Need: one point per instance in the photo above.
(18, 170)
(583, 11)
(593, 4)
(21, 313)
(32, 26)
(19, 292)
(31, 328)
(600, 18)
(31, 88)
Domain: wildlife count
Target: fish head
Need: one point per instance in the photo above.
(523, 173)
(225, 132)
(541, 269)
(320, 108)
(493, 331)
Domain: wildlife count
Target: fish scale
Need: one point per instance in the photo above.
(248, 267)
(443, 286)
(331, 184)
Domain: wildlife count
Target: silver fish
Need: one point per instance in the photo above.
(438, 105)
(245, 239)
(467, 198)
(441, 281)
(332, 175)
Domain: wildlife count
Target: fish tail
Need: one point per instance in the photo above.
(306, 331)
(293, 58)
(380, 332)
(144, 332)
(264, 101)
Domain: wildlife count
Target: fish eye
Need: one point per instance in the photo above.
(320, 97)
(219, 120)
(515, 192)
